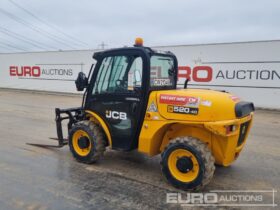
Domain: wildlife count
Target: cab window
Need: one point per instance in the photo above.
(119, 74)
(162, 71)
(135, 74)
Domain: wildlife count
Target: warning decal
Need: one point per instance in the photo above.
(179, 100)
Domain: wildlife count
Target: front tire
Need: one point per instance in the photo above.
(87, 142)
(187, 163)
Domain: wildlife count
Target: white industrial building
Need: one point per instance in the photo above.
(251, 70)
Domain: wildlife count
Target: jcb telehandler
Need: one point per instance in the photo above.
(131, 102)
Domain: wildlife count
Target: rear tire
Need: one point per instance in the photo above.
(187, 163)
(87, 142)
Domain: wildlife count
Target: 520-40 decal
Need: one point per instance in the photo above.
(182, 110)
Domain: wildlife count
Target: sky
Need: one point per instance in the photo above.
(37, 25)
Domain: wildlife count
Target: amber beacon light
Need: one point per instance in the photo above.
(138, 41)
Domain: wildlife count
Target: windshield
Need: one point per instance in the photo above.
(162, 71)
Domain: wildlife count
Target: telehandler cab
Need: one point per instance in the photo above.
(131, 102)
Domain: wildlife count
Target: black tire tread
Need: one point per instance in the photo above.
(205, 153)
(98, 137)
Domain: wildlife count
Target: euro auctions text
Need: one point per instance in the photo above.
(37, 71)
(207, 74)
(233, 198)
(197, 74)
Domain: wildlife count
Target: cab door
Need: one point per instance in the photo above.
(117, 97)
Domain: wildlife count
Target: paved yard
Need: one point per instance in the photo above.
(37, 178)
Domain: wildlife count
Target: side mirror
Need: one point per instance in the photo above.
(81, 81)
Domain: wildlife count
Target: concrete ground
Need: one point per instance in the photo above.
(38, 178)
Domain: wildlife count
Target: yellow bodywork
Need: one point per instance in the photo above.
(216, 111)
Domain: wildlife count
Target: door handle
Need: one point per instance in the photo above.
(132, 99)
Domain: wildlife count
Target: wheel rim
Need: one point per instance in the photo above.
(81, 143)
(183, 165)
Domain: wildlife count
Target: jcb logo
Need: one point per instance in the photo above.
(116, 115)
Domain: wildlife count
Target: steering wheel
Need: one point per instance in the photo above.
(121, 85)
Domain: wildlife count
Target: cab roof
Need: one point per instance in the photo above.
(144, 49)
